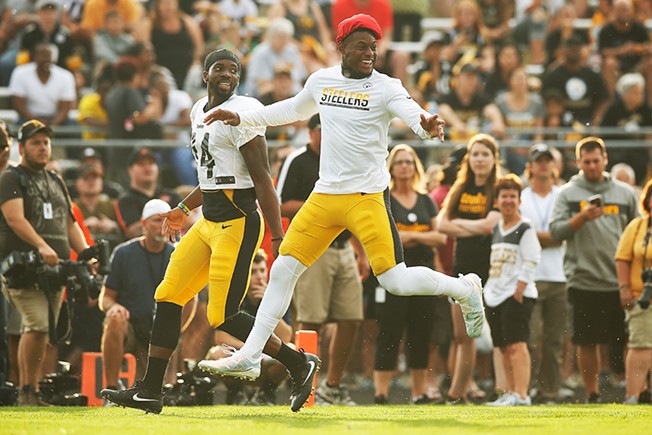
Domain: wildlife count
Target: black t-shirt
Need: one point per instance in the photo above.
(297, 178)
(583, 90)
(467, 112)
(472, 253)
(121, 102)
(417, 219)
(135, 274)
(60, 37)
(610, 37)
(130, 205)
(42, 189)
(618, 116)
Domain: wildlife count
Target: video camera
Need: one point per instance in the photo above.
(79, 276)
(644, 300)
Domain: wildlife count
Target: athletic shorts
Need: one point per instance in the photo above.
(330, 289)
(510, 321)
(217, 253)
(324, 216)
(598, 317)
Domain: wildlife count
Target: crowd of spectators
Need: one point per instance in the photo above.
(128, 70)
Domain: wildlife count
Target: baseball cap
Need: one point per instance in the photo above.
(457, 155)
(314, 122)
(142, 154)
(87, 169)
(573, 40)
(31, 127)
(42, 4)
(154, 207)
(359, 21)
(539, 150)
(470, 67)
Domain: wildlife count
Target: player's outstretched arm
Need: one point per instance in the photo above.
(226, 116)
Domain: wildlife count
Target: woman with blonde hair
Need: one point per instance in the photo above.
(414, 213)
(468, 216)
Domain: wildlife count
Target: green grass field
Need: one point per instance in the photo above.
(549, 420)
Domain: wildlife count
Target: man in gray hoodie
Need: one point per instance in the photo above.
(590, 213)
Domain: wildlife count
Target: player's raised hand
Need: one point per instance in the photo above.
(226, 116)
(434, 125)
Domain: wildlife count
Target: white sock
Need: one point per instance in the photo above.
(275, 303)
(401, 280)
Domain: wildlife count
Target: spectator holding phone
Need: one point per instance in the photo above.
(590, 213)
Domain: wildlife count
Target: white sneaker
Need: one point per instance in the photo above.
(522, 402)
(507, 399)
(236, 365)
(472, 306)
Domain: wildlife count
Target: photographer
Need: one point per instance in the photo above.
(36, 216)
(127, 298)
(634, 267)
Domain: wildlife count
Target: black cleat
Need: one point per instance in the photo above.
(138, 397)
(302, 379)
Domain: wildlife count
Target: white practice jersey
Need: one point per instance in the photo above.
(216, 147)
(355, 115)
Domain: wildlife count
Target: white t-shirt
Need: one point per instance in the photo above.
(515, 254)
(43, 98)
(355, 115)
(216, 147)
(538, 210)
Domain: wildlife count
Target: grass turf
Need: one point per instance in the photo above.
(548, 420)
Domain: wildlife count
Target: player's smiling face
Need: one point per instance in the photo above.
(223, 77)
(359, 52)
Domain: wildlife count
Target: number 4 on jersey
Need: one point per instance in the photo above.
(206, 160)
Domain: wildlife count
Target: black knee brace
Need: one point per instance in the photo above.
(239, 325)
(167, 325)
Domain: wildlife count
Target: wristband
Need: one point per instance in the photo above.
(276, 239)
(184, 208)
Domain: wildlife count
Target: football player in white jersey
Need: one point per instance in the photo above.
(355, 104)
(233, 172)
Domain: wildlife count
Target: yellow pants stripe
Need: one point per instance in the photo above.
(217, 253)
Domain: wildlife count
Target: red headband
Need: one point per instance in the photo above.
(360, 21)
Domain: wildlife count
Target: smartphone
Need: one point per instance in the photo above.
(595, 200)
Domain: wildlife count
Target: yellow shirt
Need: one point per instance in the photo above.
(632, 249)
(90, 106)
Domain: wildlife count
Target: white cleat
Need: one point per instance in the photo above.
(507, 399)
(236, 365)
(472, 306)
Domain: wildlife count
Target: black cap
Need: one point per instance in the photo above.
(456, 157)
(314, 122)
(142, 154)
(539, 150)
(220, 54)
(573, 41)
(31, 127)
(470, 67)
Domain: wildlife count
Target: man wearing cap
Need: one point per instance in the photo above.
(36, 216)
(330, 290)
(590, 213)
(234, 179)
(548, 322)
(433, 73)
(47, 28)
(127, 298)
(355, 105)
(143, 175)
